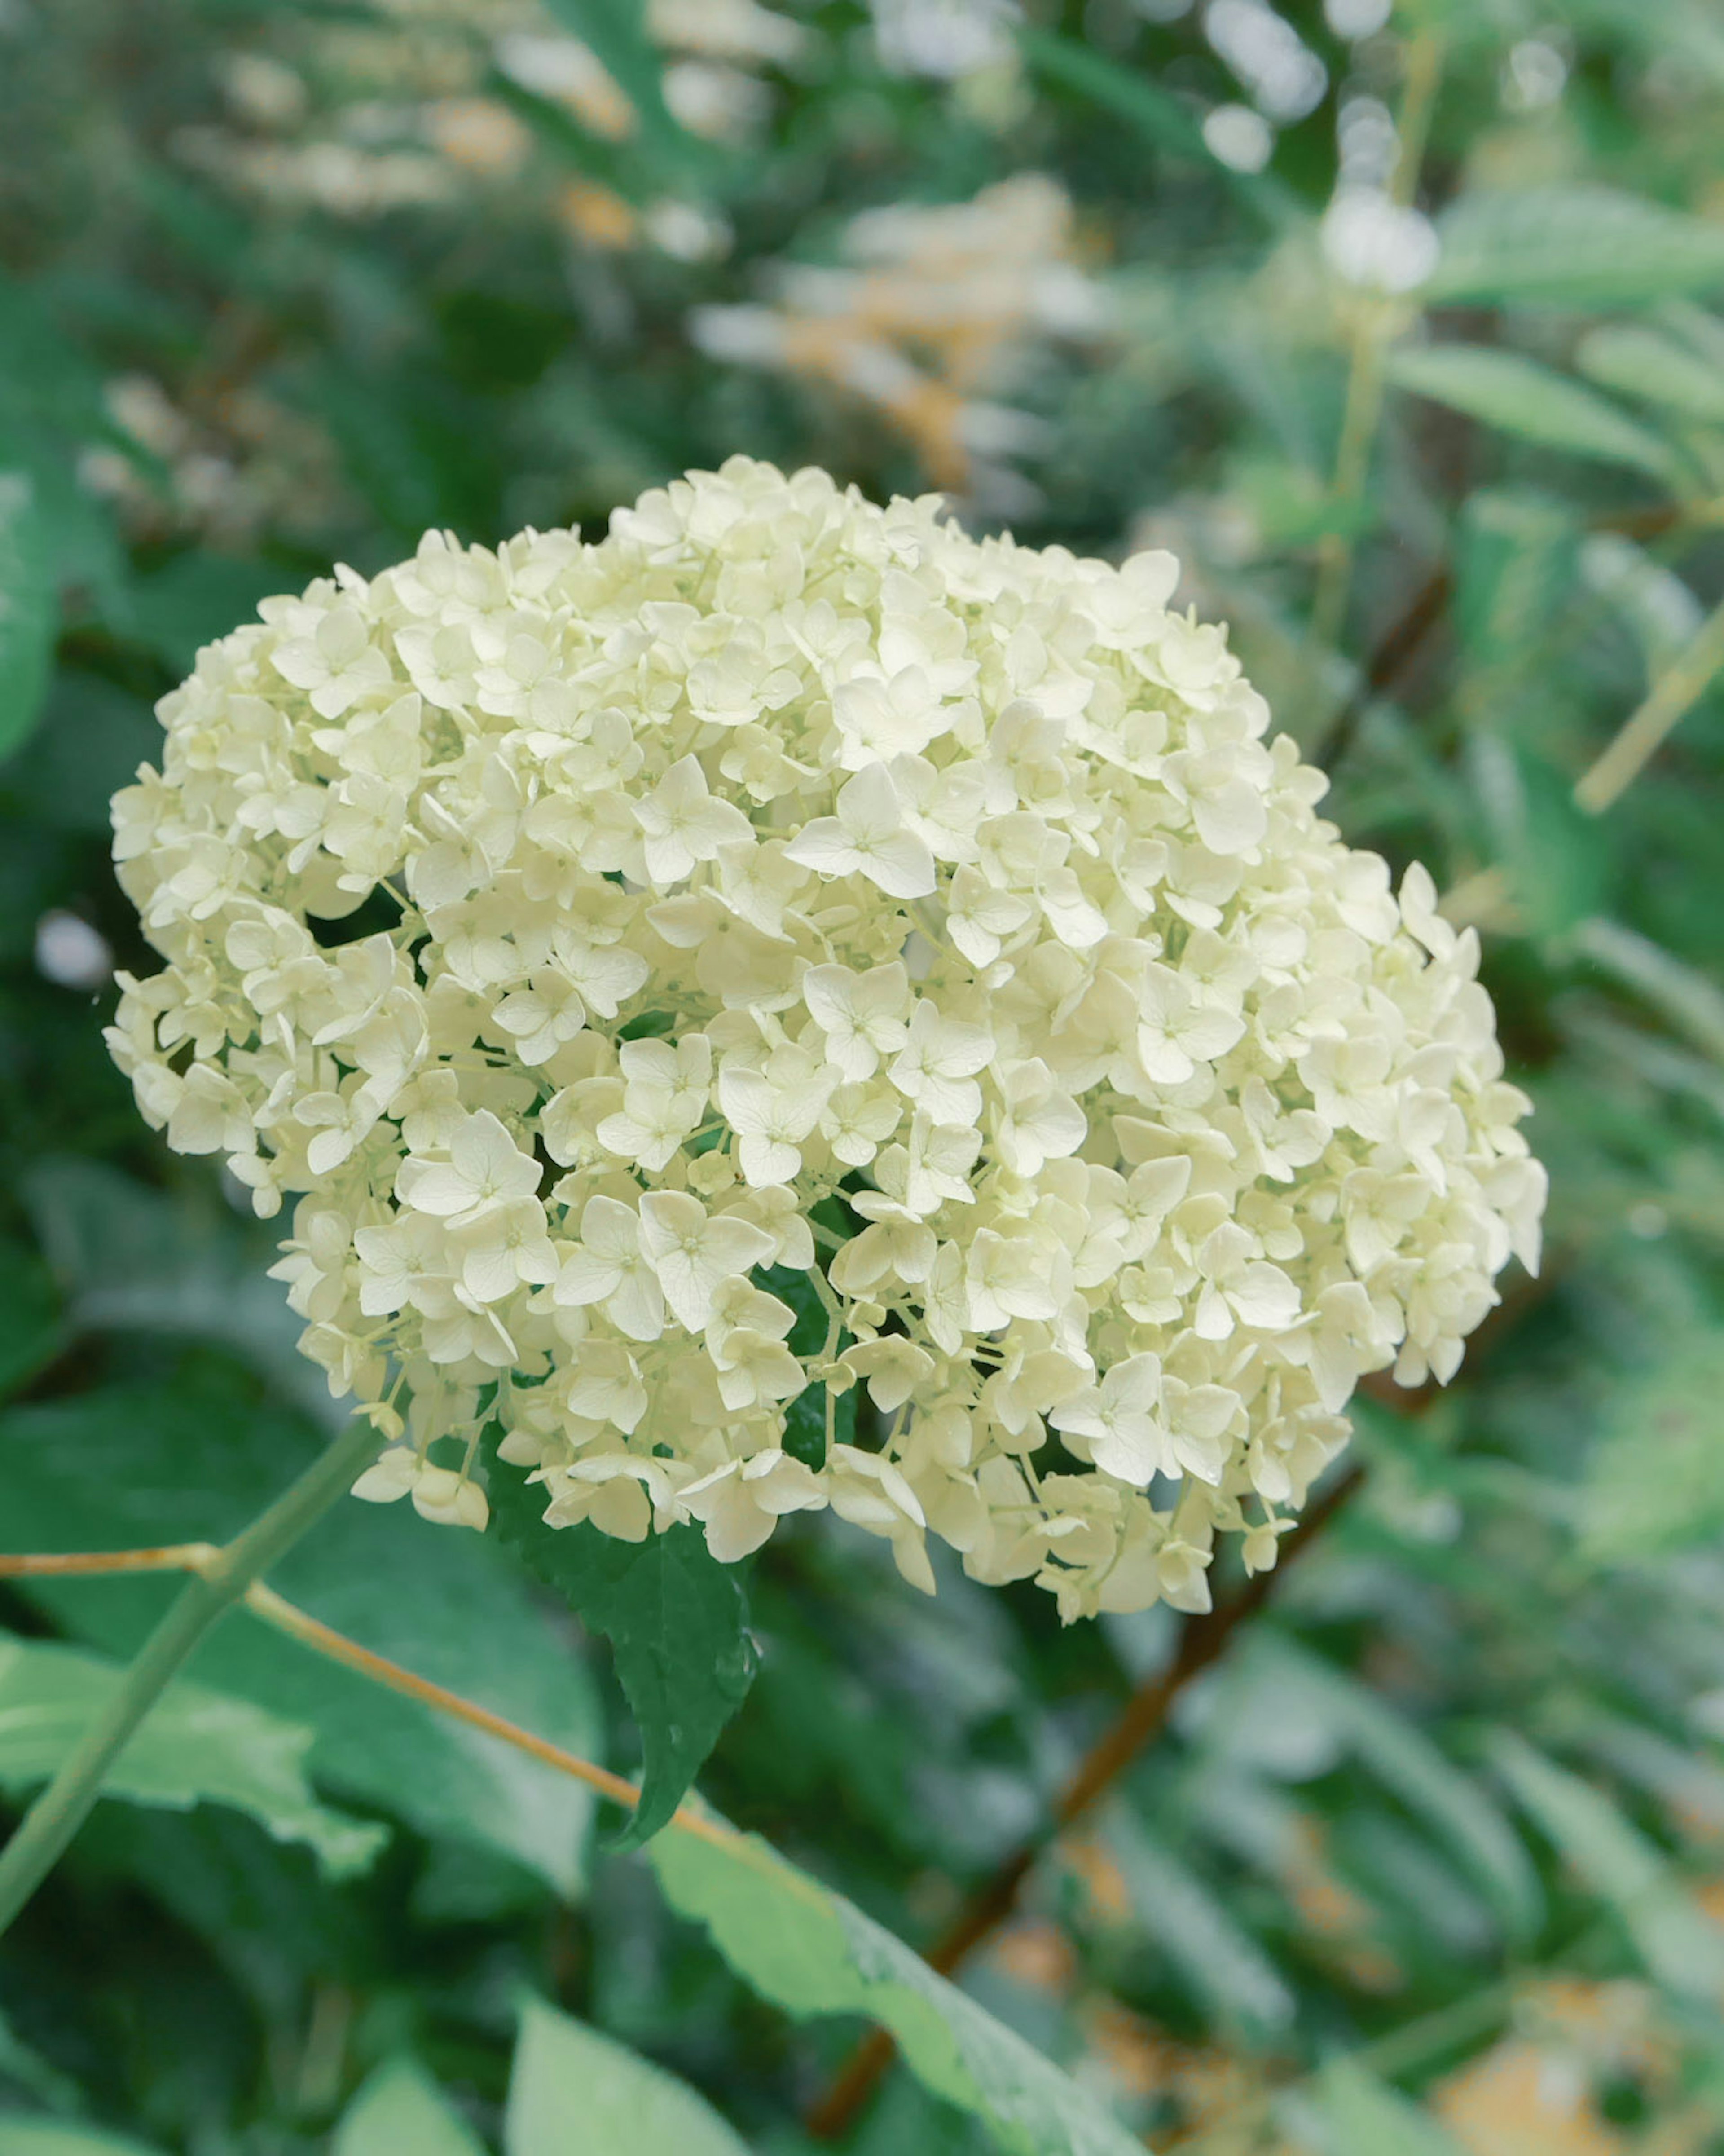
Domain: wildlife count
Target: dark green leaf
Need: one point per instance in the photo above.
(1185, 1920)
(678, 1624)
(29, 613)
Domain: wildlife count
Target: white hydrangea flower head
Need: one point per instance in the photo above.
(790, 954)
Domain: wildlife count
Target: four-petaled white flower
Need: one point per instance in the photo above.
(1121, 1418)
(485, 1168)
(694, 1253)
(607, 1266)
(683, 824)
(867, 837)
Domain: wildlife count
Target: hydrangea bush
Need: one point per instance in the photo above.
(789, 908)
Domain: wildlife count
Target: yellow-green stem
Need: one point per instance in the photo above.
(218, 1584)
(1671, 695)
(1374, 329)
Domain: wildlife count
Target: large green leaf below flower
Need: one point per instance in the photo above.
(811, 1952)
(678, 1624)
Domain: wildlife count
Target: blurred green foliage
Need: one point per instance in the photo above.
(1434, 1859)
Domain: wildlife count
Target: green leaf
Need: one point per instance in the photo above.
(197, 598)
(133, 1260)
(811, 1952)
(31, 1330)
(1454, 1806)
(29, 614)
(1517, 554)
(1574, 246)
(1681, 1946)
(1655, 1480)
(54, 2137)
(1229, 1974)
(196, 1460)
(197, 1747)
(573, 2093)
(678, 1624)
(401, 2112)
(1637, 360)
(1522, 398)
(1366, 2117)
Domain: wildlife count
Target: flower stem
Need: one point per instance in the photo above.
(217, 1581)
(1376, 325)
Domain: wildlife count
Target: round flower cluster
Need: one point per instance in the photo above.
(794, 1006)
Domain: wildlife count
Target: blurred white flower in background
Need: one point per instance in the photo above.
(1285, 77)
(1240, 137)
(1356, 18)
(945, 38)
(939, 304)
(1369, 239)
(70, 953)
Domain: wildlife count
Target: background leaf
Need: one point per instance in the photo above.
(1534, 402)
(1683, 1948)
(197, 1747)
(28, 612)
(1366, 2118)
(574, 2092)
(401, 2112)
(1574, 245)
(53, 2137)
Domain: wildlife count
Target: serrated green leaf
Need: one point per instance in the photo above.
(197, 1746)
(401, 2112)
(151, 1464)
(678, 1624)
(1366, 2117)
(1681, 1946)
(811, 1952)
(28, 610)
(574, 2092)
(1533, 401)
(1573, 246)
